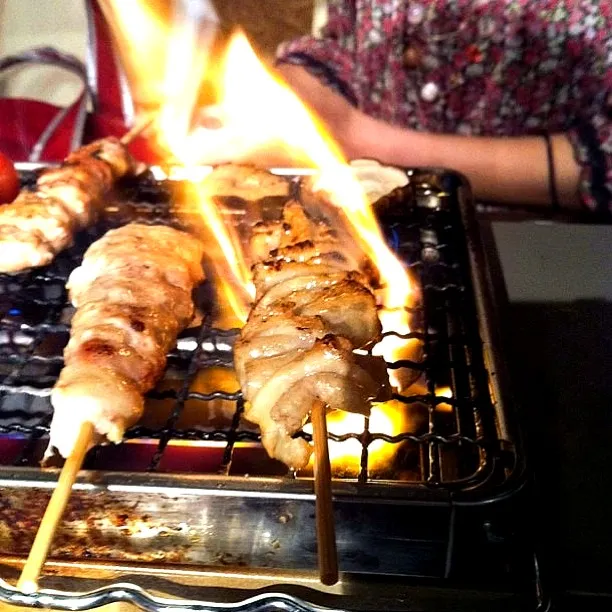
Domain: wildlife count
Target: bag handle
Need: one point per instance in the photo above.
(106, 76)
(51, 57)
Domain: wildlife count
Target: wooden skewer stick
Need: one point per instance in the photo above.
(28, 581)
(326, 530)
(138, 129)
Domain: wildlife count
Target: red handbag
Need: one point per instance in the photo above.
(32, 130)
(38, 131)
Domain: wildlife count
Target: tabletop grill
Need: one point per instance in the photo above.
(192, 489)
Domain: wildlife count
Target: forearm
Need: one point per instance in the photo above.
(504, 170)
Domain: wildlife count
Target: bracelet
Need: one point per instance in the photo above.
(552, 178)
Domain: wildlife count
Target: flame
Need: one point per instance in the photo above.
(345, 457)
(184, 72)
(443, 406)
(140, 32)
(265, 112)
(186, 54)
(185, 67)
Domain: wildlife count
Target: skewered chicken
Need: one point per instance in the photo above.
(253, 183)
(245, 181)
(294, 231)
(311, 311)
(132, 295)
(38, 225)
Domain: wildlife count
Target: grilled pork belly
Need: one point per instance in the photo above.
(307, 250)
(110, 151)
(326, 372)
(76, 187)
(37, 226)
(130, 307)
(18, 246)
(46, 216)
(311, 311)
(246, 182)
(270, 239)
(294, 274)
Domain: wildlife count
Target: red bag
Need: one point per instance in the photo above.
(34, 131)
(37, 131)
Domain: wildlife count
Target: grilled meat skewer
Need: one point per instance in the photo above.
(270, 239)
(40, 224)
(312, 310)
(132, 295)
(245, 181)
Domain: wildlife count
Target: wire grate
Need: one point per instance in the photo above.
(443, 442)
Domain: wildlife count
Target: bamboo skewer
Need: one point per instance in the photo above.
(137, 129)
(326, 530)
(28, 581)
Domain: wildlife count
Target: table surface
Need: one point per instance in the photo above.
(559, 283)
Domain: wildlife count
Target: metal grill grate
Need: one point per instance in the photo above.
(445, 442)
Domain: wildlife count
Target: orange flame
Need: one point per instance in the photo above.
(186, 54)
(263, 113)
(140, 32)
(263, 110)
(388, 418)
(443, 406)
(235, 289)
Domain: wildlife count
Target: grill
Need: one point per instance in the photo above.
(191, 495)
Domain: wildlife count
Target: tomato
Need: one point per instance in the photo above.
(9, 180)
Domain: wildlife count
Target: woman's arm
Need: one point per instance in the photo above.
(505, 170)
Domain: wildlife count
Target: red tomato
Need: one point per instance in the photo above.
(9, 180)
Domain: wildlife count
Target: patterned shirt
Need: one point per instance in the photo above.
(477, 67)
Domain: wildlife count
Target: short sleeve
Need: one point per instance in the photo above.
(590, 46)
(329, 57)
(592, 140)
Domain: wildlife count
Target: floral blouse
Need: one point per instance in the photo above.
(479, 67)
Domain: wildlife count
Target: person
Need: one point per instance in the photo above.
(516, 95)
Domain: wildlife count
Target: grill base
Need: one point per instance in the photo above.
(485, 558)
(230, 523)
(204, 593)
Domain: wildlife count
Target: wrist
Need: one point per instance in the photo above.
(409, 148)
(423, 150)
(348, 134)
